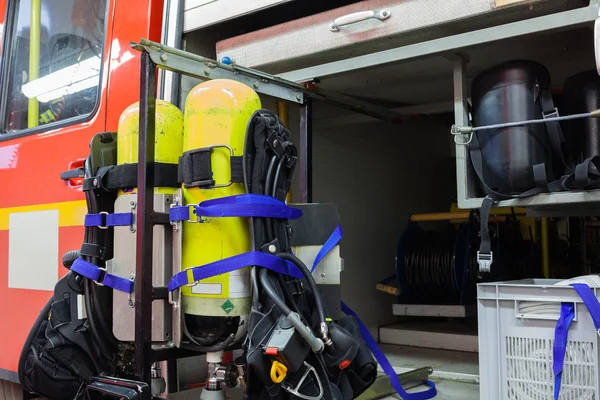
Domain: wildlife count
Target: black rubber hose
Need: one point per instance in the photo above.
(268, 184)
(255, 289)
(289, 298)
(264, 280)
(93, 328)
(311, 282)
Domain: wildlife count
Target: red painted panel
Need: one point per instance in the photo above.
(30, 166)
(20, 307)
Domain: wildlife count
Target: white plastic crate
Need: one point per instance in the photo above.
(516, 336)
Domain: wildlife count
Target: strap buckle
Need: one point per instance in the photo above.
(551, 114)
(105, 215)
(195, 220)
(206, 181)
(222, 146)
(485, 261)
(102, 274)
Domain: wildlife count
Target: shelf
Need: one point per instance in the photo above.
(549, 204)
(429, 310)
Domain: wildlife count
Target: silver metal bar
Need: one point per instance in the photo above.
(463, 130)
(461, 118)
(453, 43)
(305, 155)
(204, 68)
(169, 82)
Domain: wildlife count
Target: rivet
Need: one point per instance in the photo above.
(163, 57)
(95, 182)
(255, 85)
(132, 204)
(272, 249)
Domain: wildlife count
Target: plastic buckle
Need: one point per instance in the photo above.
(101, 279)
(551, 114)
(103, 226)
(485, 261)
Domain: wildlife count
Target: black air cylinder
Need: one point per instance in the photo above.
(582, 94)
(508, 93)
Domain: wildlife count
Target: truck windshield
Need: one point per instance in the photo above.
(56, 60)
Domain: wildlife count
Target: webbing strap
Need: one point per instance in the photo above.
(244, 205)
(331, 242)
(561, 332)
(124, 176)
(230, 264)
(104, 220)
(195, 167)
(385, 364)
(379, 355)
(101, 277)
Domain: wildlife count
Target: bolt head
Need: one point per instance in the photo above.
(163, 57)
(255, 85)
(95, 182)
(323, 275)
(298, 96)
(272, 248)
(132, 204)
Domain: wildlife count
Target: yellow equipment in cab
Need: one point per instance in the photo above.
(169, 137)
(217, 114)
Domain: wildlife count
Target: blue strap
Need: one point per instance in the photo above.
(331, 242)
(249, 259)
(96, 274)
(561, 333)
(385, 364)
(104, 220)
(590, 301)
(567, 313)
(243, 205)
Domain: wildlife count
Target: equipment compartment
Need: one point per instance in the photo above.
(373, 26)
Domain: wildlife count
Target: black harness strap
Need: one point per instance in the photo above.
(92, 250)
(124, 176)
(195, 168)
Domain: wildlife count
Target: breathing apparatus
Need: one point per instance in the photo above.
(224, 273)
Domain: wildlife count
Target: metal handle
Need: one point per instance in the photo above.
(358, 17)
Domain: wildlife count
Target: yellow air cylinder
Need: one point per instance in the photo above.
(168, 138)
(217, 112)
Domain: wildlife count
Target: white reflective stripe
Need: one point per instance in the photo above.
(33, 250)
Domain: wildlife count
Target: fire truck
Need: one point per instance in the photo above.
(176, 175)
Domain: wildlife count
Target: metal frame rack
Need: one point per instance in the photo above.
(153, 56)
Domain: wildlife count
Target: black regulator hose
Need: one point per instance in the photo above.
(313, 287)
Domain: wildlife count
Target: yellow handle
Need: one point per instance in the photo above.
(278, 372)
